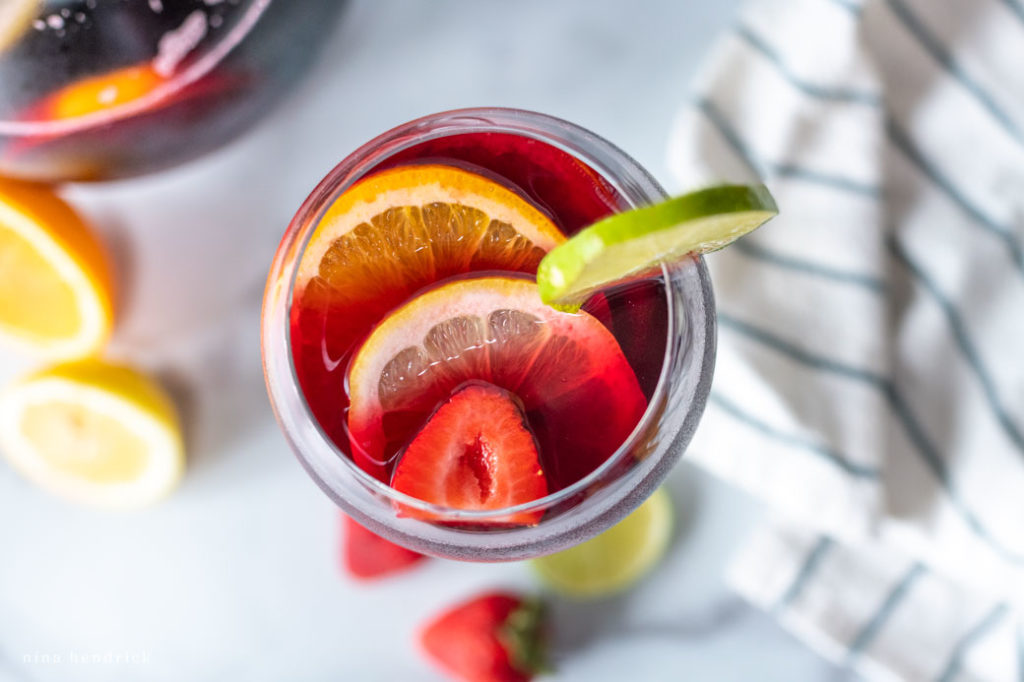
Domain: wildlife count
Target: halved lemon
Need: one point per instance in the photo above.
(55, 284)
(93, 432)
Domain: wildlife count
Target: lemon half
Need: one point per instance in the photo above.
(92, 432)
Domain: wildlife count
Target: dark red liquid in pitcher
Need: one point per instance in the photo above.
(109, 51)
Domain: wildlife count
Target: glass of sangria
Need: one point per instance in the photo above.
(101, 89)
(418, 376)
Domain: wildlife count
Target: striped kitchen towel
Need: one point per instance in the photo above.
(870, 381)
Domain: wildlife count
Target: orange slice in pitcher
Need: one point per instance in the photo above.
(101, 92)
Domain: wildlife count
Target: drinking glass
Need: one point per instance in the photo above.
(574, 513)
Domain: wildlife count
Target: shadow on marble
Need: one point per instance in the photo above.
(587, 623)
(218, 388)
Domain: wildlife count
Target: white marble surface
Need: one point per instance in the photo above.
(236, 577)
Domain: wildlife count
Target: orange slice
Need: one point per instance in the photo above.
(385, 238)
(102, 92)
(417, 224)
(55, 286)
(576, 386)
(403, 229)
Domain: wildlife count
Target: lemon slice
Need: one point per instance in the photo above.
(93, 432)
(493, 329)
(55, 286)
(617, 558)
(15, 18)
(633, 242)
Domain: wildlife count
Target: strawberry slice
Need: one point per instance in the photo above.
(496, 637)
(476, 453)
(367, 555)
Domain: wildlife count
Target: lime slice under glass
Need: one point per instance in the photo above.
(615, 559)
(636, 241)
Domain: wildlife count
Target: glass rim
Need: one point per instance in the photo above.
(362, 161)
(192, 73)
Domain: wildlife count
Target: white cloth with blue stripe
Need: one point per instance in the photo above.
(870, 380)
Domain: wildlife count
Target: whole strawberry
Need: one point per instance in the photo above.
(495, 637)
(366, 555)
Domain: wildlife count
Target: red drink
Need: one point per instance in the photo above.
(416, 372)
(576, 430)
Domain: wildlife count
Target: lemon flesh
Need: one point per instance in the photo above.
(92, 432)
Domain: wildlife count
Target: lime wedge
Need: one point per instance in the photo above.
(636, 241)
(615, 559)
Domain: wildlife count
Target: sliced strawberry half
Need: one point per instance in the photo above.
(495, 637)
(475, 453)
(366, 555)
